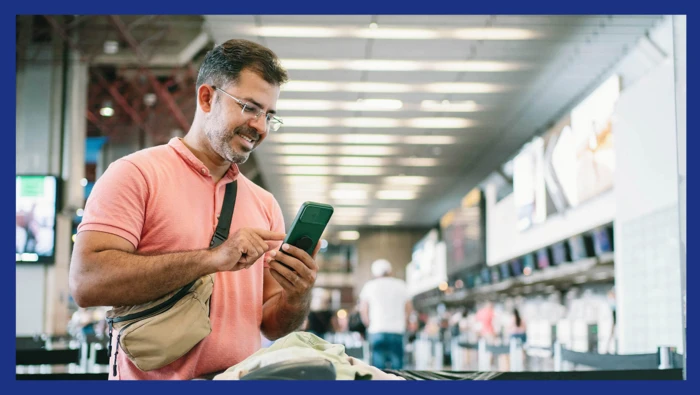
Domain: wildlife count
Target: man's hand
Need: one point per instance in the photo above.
(295, 271)
(242, 249)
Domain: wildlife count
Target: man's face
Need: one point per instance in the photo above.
(233, 134)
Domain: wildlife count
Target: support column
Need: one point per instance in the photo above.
(51, 105)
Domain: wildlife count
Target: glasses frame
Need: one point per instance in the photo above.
(269, 118)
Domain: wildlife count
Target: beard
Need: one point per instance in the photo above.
(220, 140)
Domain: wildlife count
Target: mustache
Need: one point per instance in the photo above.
(247, 131)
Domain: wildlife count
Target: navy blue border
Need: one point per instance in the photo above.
(7, 170)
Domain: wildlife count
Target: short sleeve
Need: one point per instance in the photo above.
(117, 203)
(364, 294)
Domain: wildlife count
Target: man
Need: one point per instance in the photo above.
(384, 307)
(150, 218)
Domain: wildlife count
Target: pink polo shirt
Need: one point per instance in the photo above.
(162, 199)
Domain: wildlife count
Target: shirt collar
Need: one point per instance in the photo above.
(197, 165)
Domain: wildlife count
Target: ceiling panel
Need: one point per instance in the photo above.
(567, 57)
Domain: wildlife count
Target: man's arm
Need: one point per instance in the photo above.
(287, 292)
(364, 313)
(106, 271)
(280, 317)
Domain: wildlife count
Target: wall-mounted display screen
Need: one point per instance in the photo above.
(36, 198)
(463, 230)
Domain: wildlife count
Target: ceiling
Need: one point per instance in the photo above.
(391, 119)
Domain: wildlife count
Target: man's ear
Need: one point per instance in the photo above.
(205, 97)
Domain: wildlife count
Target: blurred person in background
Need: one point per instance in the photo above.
(484, 317)
(612, 303)
(149, 221)
(518, 330)
(319, 320)
(385, 306)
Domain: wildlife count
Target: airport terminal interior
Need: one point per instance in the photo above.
(523, 176)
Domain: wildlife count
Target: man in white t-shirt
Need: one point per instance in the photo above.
(384, 306)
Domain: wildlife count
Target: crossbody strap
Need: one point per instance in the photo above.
(220, 235)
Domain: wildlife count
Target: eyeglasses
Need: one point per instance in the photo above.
(250, 110)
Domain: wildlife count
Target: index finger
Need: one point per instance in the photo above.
(269, 235)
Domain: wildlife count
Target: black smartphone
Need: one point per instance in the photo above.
(308, 226)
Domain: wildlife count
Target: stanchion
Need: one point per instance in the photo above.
(665, 361)
(483, 357)
(557, 357)
(516, 355)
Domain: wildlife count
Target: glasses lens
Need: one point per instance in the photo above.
(274, 125)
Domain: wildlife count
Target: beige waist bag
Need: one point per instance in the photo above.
(154, 334)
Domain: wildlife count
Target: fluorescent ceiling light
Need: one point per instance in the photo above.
(351, 185)
(312, 122)
(418, 162)
(349, 150)
(402, 65)
(360, 161)
(388, 32)
(368, 138)
(347, 211)
(449, 106)
(477, 66)
(407, 180)
(427, 140)
(369, 150)
(372, 105)
(309, 86)
(388, 87)
(349, 235)
(439, 123)
(396, 195)
(397, 34)
(325, 160)
(295, 31)
(305, 105)
(307, 64)
(495, 33)
(375, 87)
(367, 122)
(358, 171)
(380, 65)
(303, 149)
(462, 87)
(311, 170)
(327, 105)
(301, 138)
(302, 160)
(304, 181)
(349, 194)
(370, 122)
(387, 217)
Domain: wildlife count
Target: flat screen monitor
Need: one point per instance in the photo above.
(495, 275)
(528, 263)
(603, 240)
(471, 281)
(544, 258)
(517, 266)
(36, 206)
(581, 247)
(485, 276)
(505, 271)
(560, 253)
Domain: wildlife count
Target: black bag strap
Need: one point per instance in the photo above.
(224, 225)
(220, 235)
